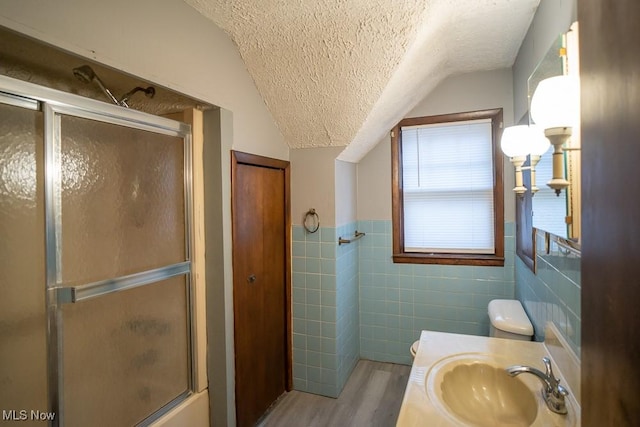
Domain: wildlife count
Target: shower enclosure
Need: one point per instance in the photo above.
(95, 261)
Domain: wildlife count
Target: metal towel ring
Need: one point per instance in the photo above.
(315, 221)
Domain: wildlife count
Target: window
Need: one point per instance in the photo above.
(447, 189)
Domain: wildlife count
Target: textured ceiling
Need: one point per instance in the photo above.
(344, 72)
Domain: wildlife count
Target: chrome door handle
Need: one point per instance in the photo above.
(73, 294)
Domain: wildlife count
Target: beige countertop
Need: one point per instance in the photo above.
(421, 407)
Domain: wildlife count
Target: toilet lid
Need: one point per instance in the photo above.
(509, 316)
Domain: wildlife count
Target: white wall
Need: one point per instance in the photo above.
(346, 177)
(166, 42)
(466, 92)
(374, 183)
(321, 182)
(313, 183)
(552, 18)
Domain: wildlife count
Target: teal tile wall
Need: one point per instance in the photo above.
(326, 333)
(351, 301)
(553, 293)
(315, 360)
(397, 301)
(347, 304)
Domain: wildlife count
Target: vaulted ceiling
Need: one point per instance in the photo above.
(344, 72)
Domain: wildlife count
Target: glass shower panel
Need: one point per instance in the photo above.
(125, 354)
(122, 200)
(23, 351)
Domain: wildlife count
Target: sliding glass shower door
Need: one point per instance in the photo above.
(23, 309)
(95, 314)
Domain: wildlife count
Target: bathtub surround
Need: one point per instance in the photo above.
(553, 293)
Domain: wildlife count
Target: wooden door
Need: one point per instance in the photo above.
(610, 129)
(260, 284)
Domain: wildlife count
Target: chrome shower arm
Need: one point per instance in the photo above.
(108, 92)
(86, 74)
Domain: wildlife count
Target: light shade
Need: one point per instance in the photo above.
(523, 140)
(538, 144)
(556, 102)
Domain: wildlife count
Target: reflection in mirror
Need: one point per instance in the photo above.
(557, 214)
(549, 209)
(572, 151)
(525, 237)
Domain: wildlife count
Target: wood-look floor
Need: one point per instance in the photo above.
(372, 397)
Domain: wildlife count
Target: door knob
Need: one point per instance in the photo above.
(251, 278)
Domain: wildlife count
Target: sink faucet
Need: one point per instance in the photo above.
(552, 392)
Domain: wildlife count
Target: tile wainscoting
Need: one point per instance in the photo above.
(398, 301)
(351, 301)
(326, 339)
(553, 293)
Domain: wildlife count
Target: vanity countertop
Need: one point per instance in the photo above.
(419, 408)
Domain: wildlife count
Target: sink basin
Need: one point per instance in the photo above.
(458, 380)
(477, 391)
(484, 395)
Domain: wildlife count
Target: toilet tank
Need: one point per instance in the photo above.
(509, 320)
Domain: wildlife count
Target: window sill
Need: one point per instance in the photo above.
(449, 259)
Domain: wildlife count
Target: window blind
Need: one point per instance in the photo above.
(447, 184)
(549, 210)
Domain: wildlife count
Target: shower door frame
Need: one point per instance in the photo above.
(54, 104)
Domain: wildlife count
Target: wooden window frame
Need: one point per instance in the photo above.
(399, 254)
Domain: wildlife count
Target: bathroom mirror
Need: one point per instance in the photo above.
(558, 214)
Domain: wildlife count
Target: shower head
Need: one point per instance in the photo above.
(84, 73)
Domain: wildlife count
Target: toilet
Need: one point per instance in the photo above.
(509, 320)
(414, 349)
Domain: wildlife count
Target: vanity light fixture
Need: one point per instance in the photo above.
(521, 141)
(555, 107)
